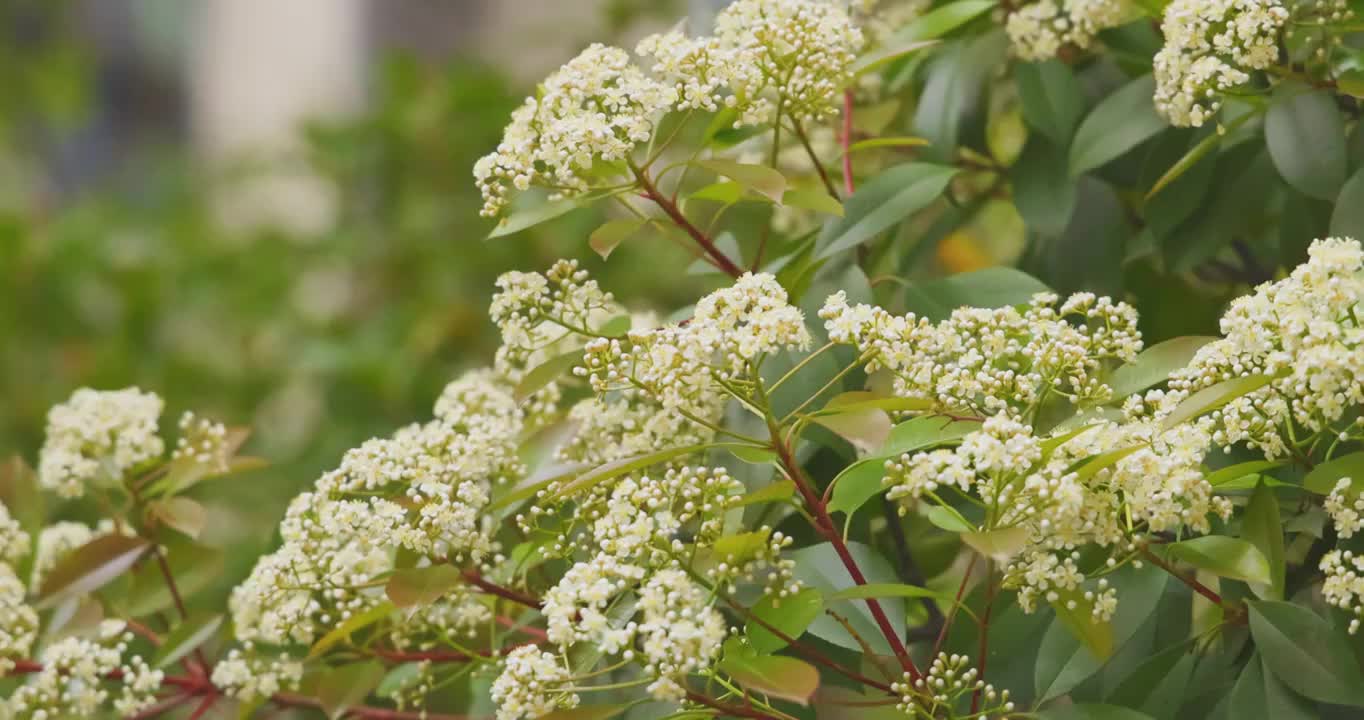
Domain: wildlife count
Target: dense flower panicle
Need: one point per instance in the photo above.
(1343, 586)
(701, 68)
(644, 514)
(792, 56)
(541, 314)
(1303, 333)
(203, 442)
(1346, 508)
(18, 621)
(681, 632)
(74, 680)
(1210, 47)
(98, 436)
(947, 679)
(982, 361)
(1037, 30)
(530, 685)
(576, 608)
(596, 108)
(14, 542)
(248, 676)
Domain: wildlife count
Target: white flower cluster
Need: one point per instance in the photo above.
(1210, 47)
(248, 676)
(1037, 30)
(203, 442)
(792, 56)
(98, 436)
(536, 312)
(79, 674)
(14, 542)
(55, 542)
(1346, 508)
(424, 490)
(1344, 583)
(531, 685)
(681, 632)
(983, 362)
(947, 680)
(1303, 332)
(18, 621)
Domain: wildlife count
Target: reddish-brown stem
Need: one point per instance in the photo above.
(814, 160)
(161, 706)
(1189, 580)
(845, 139)
(952, 613)
(474, 578)
(670, 209)
(524, 629)
(203, 707)
(731, 710)
(824, 524)
(984, 649)
(179, 602)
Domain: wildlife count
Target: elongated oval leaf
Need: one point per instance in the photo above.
(1306, 138)
(775, 675)
(90, 566)
(1240, 470)
(186, 638)
(819, 567)
(887, 142)
(1052, 98)
(354, 623)
(1122, 121)
(880, 204)
(1262, 527)
(1306, 653)
(790, 615)
(883, 590)
(605, 238)
(761, 179)
(1324, 477)
(623, 466)
(989, 288)
(943, 19)
(342, 688)
(1154, 365)
(545, 373)
(1223, 556)
(1211, 398)
(421, 586)
(816, 200)
(528, 218)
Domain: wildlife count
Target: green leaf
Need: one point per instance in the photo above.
(1000, 544)
(883, 202)
(1196, 153)
(1262, 527)
(816, 200)
(884, 590)
(1347, 219)
(1214, 397)
(752, 454)
(760, 178)
(605, 238)
(893, 51)
(1098, 463)
(342, 688)
(1259, 694)
(865, 427)
(1052, 99)
(790, 615)
(620, 467)
(1306, 653)
(1117, 124)
(819, 567)
(1225, 557)
(1091, 711)
(943, 19)
(1158, 685)
(774, 675)
(20, 494)
(725, 193)
(545, 373)
(1306, 138)
(885, 142)
(949, 520)
(1351, 82)
(741, 546)
(193, 566)
(778, 491)
(523, 219)
(1044, 193)
(618, 326)
(1325, 476)
(989, 288)
(1240, 470)
(398, 678)
(186, 638)
(1154, 365)
(1077, 613)
(422, 586)
(90, 567)
(857, 484)
(351, 625)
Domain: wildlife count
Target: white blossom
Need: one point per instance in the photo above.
(98, 436)
(1210, 48)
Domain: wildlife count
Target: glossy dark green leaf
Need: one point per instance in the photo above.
(1158, 685)
(1052, 99)
(1091, 711)
(1347, 219)
(819, 567)
(1225, 475)
(1117, 124)
(989, 288)
(1325, 476)
(1259, 695)
(1044, 193)
(1306, 138)
(884, 202)
(1262, 527)
(791, 615)
(1154, 365)
(1306, 653)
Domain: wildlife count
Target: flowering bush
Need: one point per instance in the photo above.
(825, 490)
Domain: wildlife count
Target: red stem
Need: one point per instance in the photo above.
(845, 139)
(984, 650)
(825, 526)
(1192, 582)
(733, 710)
(952, 613)
(474, 578)
(670, 209)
